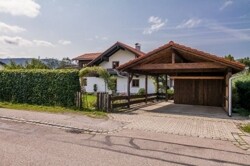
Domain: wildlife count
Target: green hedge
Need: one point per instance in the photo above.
(38, 86)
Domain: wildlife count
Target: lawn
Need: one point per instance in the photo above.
(85, 111)
(246, 128)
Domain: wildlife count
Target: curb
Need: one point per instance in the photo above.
(70, 129)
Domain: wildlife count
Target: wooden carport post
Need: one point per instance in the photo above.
(130, 76)
(166, 87)
(157, 87)
(146, 88)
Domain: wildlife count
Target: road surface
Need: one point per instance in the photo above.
(29, 144)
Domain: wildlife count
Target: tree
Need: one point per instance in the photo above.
(13, 65)
(65, 63)
(245, 60)
(35, 64)
(52, 63)
(229, 57)
(103, 73)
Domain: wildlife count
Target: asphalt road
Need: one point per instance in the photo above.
(28, 144)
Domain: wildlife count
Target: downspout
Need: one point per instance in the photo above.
(230, 89)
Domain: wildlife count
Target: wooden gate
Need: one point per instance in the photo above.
(199, 92)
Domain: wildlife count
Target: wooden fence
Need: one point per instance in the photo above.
(107, 102)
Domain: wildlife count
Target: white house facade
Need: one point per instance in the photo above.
(116, 55)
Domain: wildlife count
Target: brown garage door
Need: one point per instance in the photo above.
(198, 92)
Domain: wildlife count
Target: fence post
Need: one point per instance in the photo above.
(109, 109)
(97, 101)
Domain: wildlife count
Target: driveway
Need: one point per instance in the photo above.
(189, 120)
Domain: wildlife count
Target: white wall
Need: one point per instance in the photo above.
(121, 84)
(95, 80)
(123, 56)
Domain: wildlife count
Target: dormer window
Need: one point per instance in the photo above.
(115, 64)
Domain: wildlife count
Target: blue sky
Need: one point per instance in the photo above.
(68, 28)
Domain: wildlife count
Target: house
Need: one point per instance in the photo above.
(2, 65)
(200, 78)
(116, 55)
(84, 59)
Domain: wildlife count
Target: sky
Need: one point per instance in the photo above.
(68, 28)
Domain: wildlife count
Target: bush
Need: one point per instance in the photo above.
(40, 87)
(141, 91)
(170, 93)
(95, 87)
(242, 111)
(243, 89)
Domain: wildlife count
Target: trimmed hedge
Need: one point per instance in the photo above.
(40, 86)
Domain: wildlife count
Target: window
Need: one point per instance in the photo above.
(135, 83)
(84, 81)
(115, 64)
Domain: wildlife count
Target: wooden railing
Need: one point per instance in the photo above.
(108, 102)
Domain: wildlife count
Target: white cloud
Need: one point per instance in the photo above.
(238, 34)
(155, 25)
(27, 8)
(5, 28)
(101, 37)
(19, 41)
(64, 42)
(43, 43)
(191, 23)
(226, 4)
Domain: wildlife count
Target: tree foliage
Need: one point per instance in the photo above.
(229, 57)
(103, 73)
(245, 61)
(33, 64)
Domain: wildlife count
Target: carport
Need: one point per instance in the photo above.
(199, 78)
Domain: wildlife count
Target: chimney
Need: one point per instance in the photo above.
(138, 46)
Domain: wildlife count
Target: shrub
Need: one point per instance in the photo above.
(141, 91)
(243, 89)
(242, 111)
(170, 91)
(95, 87)
(38, 86)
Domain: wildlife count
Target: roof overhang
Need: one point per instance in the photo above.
(189, 60)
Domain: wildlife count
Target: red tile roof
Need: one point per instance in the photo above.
(185, 48)
(137, 52)
(87, 56)
(133, 50)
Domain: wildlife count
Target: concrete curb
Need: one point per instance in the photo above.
(71, 129)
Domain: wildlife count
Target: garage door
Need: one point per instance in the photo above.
(198, 92)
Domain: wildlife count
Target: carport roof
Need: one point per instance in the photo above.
(187, 54)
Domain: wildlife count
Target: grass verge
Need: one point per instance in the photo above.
(246, 128)
(56, 109)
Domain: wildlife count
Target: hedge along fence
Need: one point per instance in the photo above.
(41, 87)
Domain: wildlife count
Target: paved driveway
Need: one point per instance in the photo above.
(198, 121)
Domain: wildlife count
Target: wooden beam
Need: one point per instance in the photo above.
(173, 57)
(157, 87)
(180, 66)
(166, 77)
(130, 77)
(198, 77)
(146, 88)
